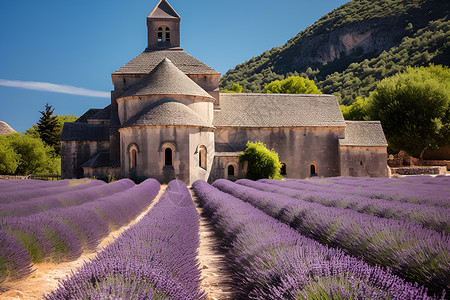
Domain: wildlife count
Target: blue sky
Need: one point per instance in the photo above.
(63, 52)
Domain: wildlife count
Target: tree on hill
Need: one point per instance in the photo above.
(292, 85)
(357, 111)
(262, 162)
(236, 88)
(48, 128)
(413, 108)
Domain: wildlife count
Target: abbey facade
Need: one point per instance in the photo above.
(168, 120)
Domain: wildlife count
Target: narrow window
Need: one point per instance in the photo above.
(283, 169)
(160, 34)
(133, 155)
(202, 157)
(313, 169)
(167, 34)
(230, 170)
(361, 163)
(168, 156)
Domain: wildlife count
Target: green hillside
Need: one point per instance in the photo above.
(354, 46)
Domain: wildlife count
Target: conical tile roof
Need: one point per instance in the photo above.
(167, 112)
(166, 79)
(5, 128)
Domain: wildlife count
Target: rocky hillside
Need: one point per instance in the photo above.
(356, 32)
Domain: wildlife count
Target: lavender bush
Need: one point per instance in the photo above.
(62, 234)
(69, 198)
(18, 194)
(14, 259)
(434, 217)
(154, 259)
(417, 189)
(413, 252)
(270, 260)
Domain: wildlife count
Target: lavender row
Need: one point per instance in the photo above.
(270, 260)
(412, 251)
(66, 199)
(437, 218)
(154, 259)
(63, 234)
(28, 184)
(19, 194)
(422, 190)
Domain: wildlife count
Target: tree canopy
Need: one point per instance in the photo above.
(22, 154)
(262, 162)
(236, 88)
(292, 85)
(413, 108)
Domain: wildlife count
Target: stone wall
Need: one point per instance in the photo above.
(419, 170)
(74, 154)
(358, 161)
(151, 143)
(297, 147)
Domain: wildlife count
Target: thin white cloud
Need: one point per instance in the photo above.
(53, 88)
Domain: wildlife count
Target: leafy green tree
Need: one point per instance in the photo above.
(262, 162)
(31, 154)
(236, 88)
(48, 129)
(357, 111)
(292, 85)
(413, 108)
(9, 160)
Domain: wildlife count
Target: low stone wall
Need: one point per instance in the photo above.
(435, 170)
(10, 177)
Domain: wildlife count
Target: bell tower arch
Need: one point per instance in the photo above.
(163, 24)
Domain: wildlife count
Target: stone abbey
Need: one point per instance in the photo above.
(167, 119)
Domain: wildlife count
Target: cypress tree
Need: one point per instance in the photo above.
(48, 129)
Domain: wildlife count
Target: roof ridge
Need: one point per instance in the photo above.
(166, 8)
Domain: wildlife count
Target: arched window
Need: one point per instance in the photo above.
(202, 163)
(133, 158)
(313, 168)
(163, 34)
(168, 157)
(283, 169)
(230, 170)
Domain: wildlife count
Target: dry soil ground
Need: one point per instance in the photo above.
(215, 281)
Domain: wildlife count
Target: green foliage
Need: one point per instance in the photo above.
(420, 32)
(357, 111)
(9, 160)
(292, 85)
(413, 108)
(236, 88)
(262, 162)
(48, 128)
(429, 44)
(30, 154)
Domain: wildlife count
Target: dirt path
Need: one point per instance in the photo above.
(45, 278)
(216, 280)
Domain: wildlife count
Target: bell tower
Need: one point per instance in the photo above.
(163, 25)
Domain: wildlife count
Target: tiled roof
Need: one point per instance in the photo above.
(103, 114)
(145, 62)
(166, 79)
(363, 133)
(88, 115)
(278, 110)
(167, 112)
(101, 159)
(5, 128)
(79, 131)
(164, 11)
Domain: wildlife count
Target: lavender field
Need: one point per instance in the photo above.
(324, 238)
